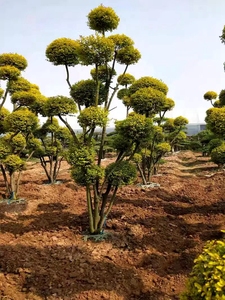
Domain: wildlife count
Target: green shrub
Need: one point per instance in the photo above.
(215, 143)
(218, 155)
(194, 146)
(207, 280)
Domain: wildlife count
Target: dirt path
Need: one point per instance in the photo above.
(155, 235)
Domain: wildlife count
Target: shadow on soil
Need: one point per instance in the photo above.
(52, 217)
(199, 164)
(200, 169)
(167, 243)
(12, 208)
(66, 271)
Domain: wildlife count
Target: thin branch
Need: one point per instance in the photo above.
(104, 216)
(134, 151)
(5, 178)
(90, 210)
(70, 129)
(4, 98)
(68, 77)
(68, 81)
(59, 165)
(116, 88)
(112, 108)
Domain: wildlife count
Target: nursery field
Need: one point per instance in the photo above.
(153, 235)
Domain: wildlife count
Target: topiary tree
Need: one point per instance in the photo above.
(19, 126)
(148, 96)
(215, 119)
(218, 155)
(175, 131)
(215, 122)
(11, 65)
(50, 147)
(52, 140)
(210, 96)
(16, 128)
(102, 53)
(204, 137)
(207, 279)
(214, 143)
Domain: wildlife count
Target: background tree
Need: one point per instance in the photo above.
(11, 65)
(16, 128)
(50, 146)
(19, 125)
(199, 142)
(175, 131)
(216, 124)
(148, 96)
(215, 119)
(210, 96)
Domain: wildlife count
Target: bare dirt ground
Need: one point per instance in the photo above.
(155, 235)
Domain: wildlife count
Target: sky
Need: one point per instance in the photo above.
(178, 40)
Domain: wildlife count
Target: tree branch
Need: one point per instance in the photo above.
(69, 84)
(70, 129)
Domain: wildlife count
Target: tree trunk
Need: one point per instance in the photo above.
(13, 186)
(44, 166)
(142, 174)
(98, 210)
(8, 188)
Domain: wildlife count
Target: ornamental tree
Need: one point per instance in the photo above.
(175, 131)
(51, 140)
(16, 128)
(216, 123)
(93, 97)
(50, 147)
(19, 126)
(218, 154)
(215, 119)
(148, 96)
(21, 91)
(203, 138)
(219, 100)
(11, 65)
(210, 96)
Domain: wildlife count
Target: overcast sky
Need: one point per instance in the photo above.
(178, 39)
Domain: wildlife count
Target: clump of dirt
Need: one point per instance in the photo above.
(154, 235)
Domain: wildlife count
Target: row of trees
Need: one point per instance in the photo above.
(213, 139)
(207, 279)
(140, 140)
